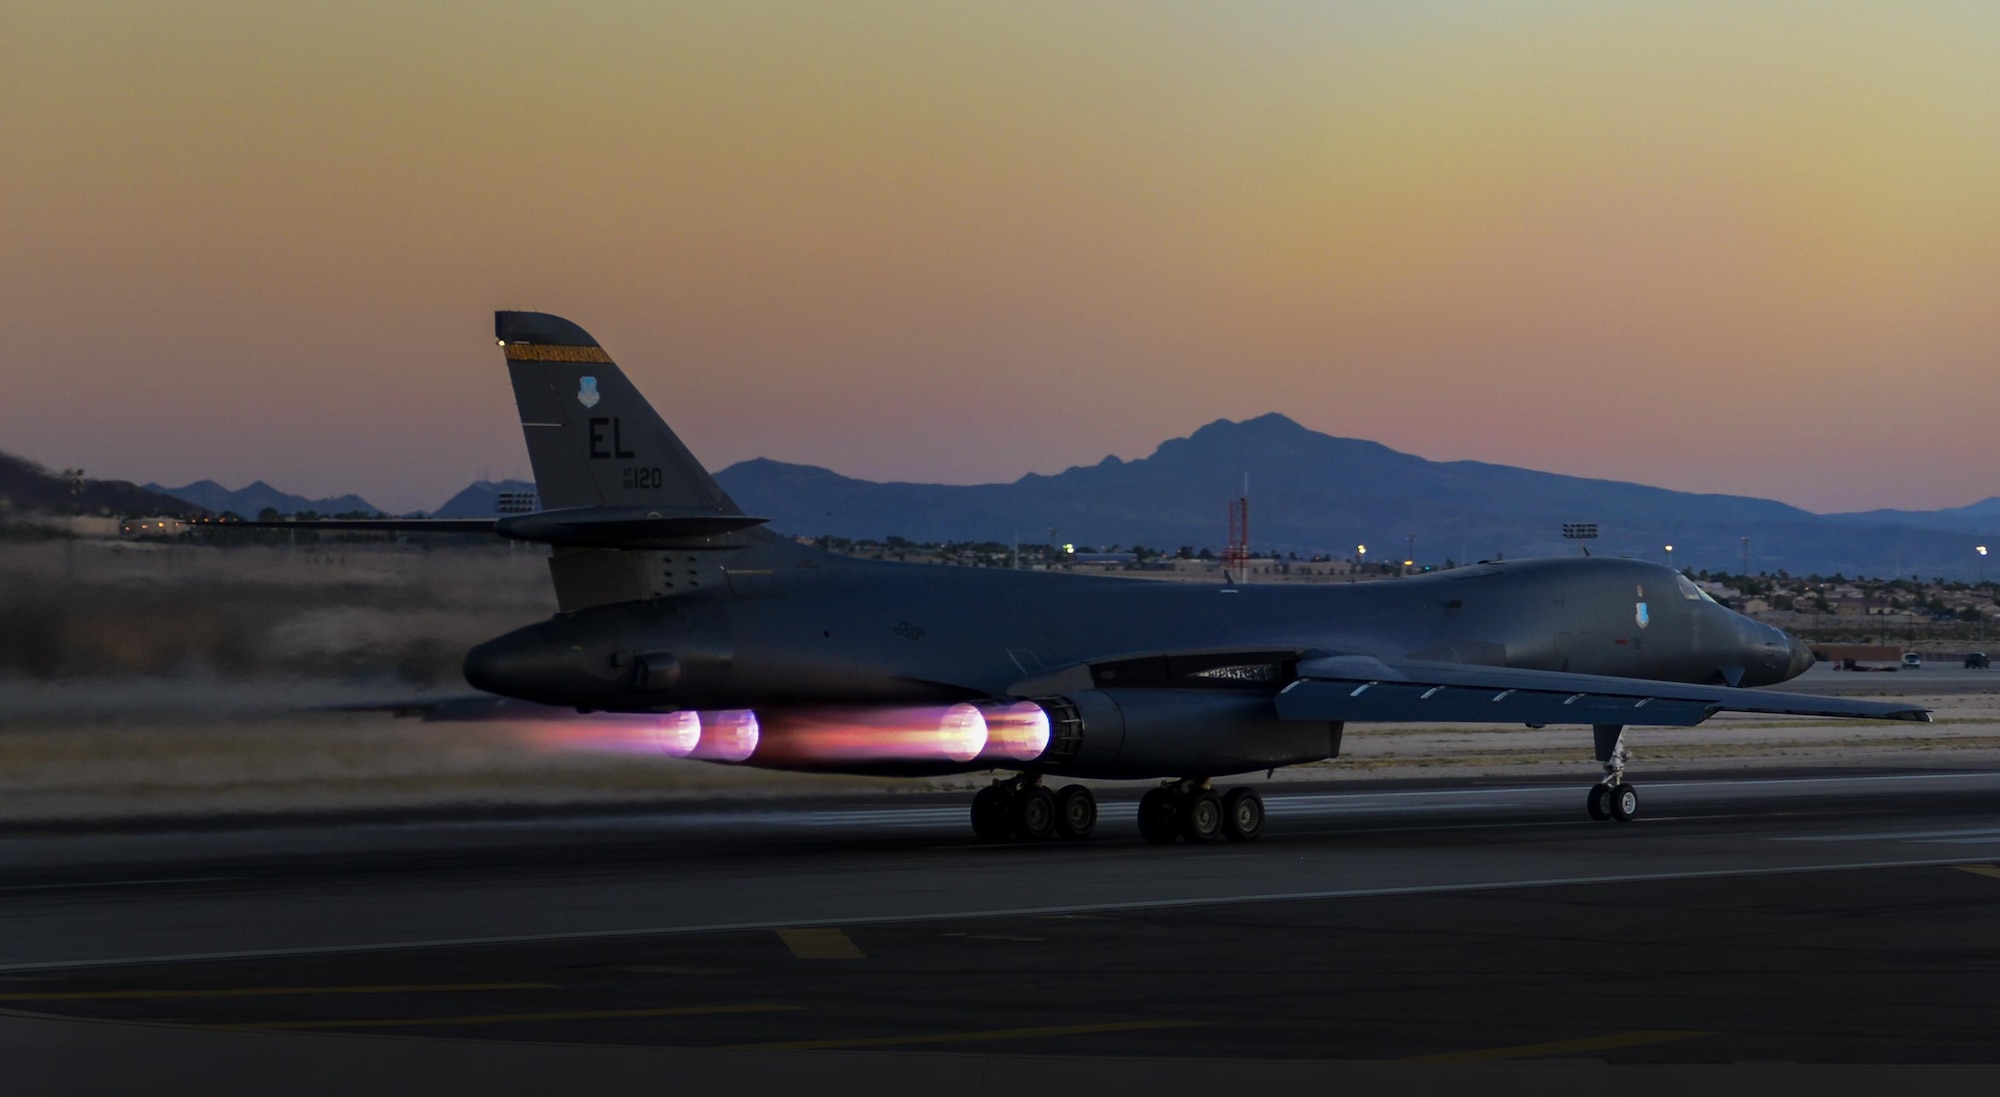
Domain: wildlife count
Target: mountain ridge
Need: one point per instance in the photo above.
(248, 501)
(1318, 493)
(1311, 493)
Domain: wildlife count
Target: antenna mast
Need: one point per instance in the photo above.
(1236, 558)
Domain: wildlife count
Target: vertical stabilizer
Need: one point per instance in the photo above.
(592, 439)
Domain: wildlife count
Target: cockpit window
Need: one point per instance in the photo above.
(1691, 592)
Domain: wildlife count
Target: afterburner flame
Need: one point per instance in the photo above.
(673, 734)
(1018, 732)
(727, 736)
(676, 733)
(920, 734)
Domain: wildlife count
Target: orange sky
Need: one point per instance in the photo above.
(1751, 248)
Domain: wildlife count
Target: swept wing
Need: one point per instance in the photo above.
(1369, 690)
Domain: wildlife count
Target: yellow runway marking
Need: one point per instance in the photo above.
(509, 1018)
(822, 943)
(1979, 870)
(262, 992)
(956, 1037)
(1561, 1047)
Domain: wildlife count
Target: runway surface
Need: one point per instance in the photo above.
(1834, 917)
(1930, 680)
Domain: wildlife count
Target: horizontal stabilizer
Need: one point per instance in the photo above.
(375, 525)
(1367, 690)
(621, 527)
(577, 527)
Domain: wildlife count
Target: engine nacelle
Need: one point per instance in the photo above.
(1139, 733)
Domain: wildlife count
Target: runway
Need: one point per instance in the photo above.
(1833, 917)
(1930, 680)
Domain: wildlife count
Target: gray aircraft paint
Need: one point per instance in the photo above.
(593, 441)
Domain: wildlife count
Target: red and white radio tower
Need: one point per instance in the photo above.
(1236, 558)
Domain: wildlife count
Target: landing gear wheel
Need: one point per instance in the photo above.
(1600, 802)
(1156, 816)
(1624, 802)
(1201, 816)
(989, 814)
(1242, 815)
(1033, 814)
(1076, 812)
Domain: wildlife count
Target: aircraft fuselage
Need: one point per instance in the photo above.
(790, 625)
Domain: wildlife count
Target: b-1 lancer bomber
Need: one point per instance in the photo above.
(749, 648)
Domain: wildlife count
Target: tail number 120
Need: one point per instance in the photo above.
(640, 478)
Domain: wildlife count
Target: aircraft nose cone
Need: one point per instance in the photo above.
(1802, 658)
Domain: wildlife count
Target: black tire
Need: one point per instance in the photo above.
(1157, 817)
(1201, 816)
(1076, 812)
(989, 814)
(1624, 803)
(1242, 815)
(1600, 802)
(1033, 814)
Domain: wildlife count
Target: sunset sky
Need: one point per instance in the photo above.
(1738, 247)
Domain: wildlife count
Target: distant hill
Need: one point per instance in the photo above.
(1310, 493)
(247, 502)
(1316, 493)
(1976, 518)
(27, 486)
(481, 499)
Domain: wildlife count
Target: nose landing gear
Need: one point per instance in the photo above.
(1190, 809)
(1020, 807)
(1612, 798)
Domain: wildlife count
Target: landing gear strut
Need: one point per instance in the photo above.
(1612, 798)
(1020, 807)
(1190, 809)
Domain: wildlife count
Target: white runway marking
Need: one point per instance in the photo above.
(1288, 806)
(963, 914)
(1974, 834)
(122, 883)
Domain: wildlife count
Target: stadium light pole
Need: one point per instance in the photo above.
(1982, 587)
(1670, 556)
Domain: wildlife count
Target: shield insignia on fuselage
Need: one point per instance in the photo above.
(1640, 615)
(586, 393)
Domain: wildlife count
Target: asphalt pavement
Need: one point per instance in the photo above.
(1836, 918)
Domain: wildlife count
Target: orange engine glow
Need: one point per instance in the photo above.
(1018, 732)
(731, 735)
(673, 734)
(808, 737)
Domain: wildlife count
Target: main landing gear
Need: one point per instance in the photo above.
(1020, 807)
(1190, 809)
(1612, 798)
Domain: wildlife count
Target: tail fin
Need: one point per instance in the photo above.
(592, 439)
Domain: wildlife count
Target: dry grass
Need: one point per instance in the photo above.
(89, 609)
